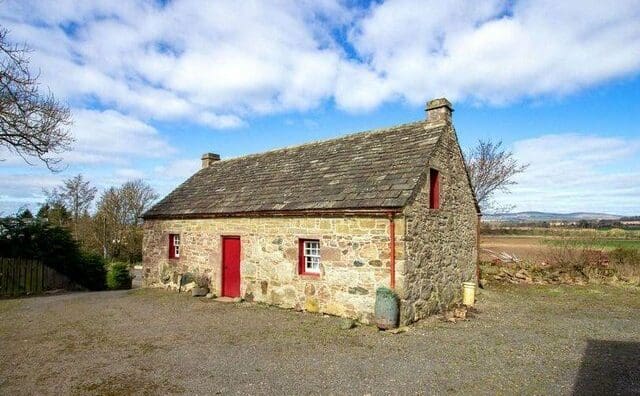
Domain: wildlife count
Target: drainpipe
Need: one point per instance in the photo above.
(392, 249)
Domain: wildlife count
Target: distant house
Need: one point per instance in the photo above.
(320, 226)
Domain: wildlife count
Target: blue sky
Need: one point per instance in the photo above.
(154, 85)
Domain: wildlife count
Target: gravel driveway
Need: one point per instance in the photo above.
(525, 339)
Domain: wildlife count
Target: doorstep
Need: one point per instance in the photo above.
(228, 299)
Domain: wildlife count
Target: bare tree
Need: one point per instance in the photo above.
(137, 196)
(491, 168)
(32, 123)
(76, 194)
(118, 219)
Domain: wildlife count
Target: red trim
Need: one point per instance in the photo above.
(301, 256)
(434, 189)
(286, 213)
(302, 269)
(392, 250)
(172, 250)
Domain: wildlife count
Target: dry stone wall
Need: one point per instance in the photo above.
(354, 259)
(441, 245)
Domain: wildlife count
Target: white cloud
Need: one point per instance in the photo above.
(179, 169)
(129, 174)
(217, 63)
(129, 66)
(576, 172)
(109, 136)
(211, 63)
(493, 52)
(23, 188)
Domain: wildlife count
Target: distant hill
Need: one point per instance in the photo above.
(544, 216)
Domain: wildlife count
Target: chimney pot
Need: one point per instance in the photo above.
(209, 158)
(439, 110)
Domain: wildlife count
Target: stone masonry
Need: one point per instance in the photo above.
(339, 192)
(354, 259)
(441, 244)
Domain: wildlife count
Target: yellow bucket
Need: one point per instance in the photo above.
(468, 293)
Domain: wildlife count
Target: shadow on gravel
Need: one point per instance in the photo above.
(609, 367)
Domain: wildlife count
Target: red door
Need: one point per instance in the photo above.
(231, 266)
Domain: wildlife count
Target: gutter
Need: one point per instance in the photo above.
(373, 212)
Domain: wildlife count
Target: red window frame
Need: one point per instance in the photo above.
(434, 189)
(172, 246)
(302, 267)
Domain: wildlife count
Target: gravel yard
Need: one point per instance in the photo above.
(525, 339)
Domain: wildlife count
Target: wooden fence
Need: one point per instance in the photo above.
(21, 276)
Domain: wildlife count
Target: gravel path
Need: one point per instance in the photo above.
(526, 339)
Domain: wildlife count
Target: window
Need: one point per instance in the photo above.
(174, 246)
(434, 189)
(309, 257)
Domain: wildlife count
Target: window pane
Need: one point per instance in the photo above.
(312, 264)
(312, 248)
(311, 253)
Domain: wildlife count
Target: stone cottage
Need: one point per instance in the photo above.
(320, 226)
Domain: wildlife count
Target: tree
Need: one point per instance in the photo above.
(54, 213)
(137, 197)
(55, 247)
(491, 168)
(24, 214)
(75, 194)
(117, 221)
(32, 123)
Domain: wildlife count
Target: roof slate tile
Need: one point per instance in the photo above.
(376, 169)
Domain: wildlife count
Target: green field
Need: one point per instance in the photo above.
(594, 243)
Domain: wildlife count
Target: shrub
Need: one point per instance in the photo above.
(55, 247)
(92, 271)
(118, 276)
(626, 261)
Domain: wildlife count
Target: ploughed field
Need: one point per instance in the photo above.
(524, 339)
(561, 255)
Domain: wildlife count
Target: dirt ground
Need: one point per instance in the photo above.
(525, 339)
(523, 247)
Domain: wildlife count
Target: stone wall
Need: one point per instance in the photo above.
(441, 245)
(354, 259)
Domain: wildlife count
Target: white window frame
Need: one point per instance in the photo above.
(311, 253)
(176, 245)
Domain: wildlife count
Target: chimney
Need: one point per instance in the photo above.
(439, 110)
(208, 159)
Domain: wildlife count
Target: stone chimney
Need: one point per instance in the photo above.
(208, 159)
(439, 110)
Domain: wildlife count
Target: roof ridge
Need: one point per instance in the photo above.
(343, 137)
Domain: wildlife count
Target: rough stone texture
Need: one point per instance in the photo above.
(269, 259)
(375, 169)
(441, 244)
(439, 110)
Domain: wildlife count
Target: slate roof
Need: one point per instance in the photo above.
(367, 170)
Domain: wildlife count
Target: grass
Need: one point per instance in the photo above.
(8, 305)
(585, 255)
(594, 243)
(587, 233)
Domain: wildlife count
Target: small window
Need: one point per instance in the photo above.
(309, 257)
(174, 246)
(434, 189)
